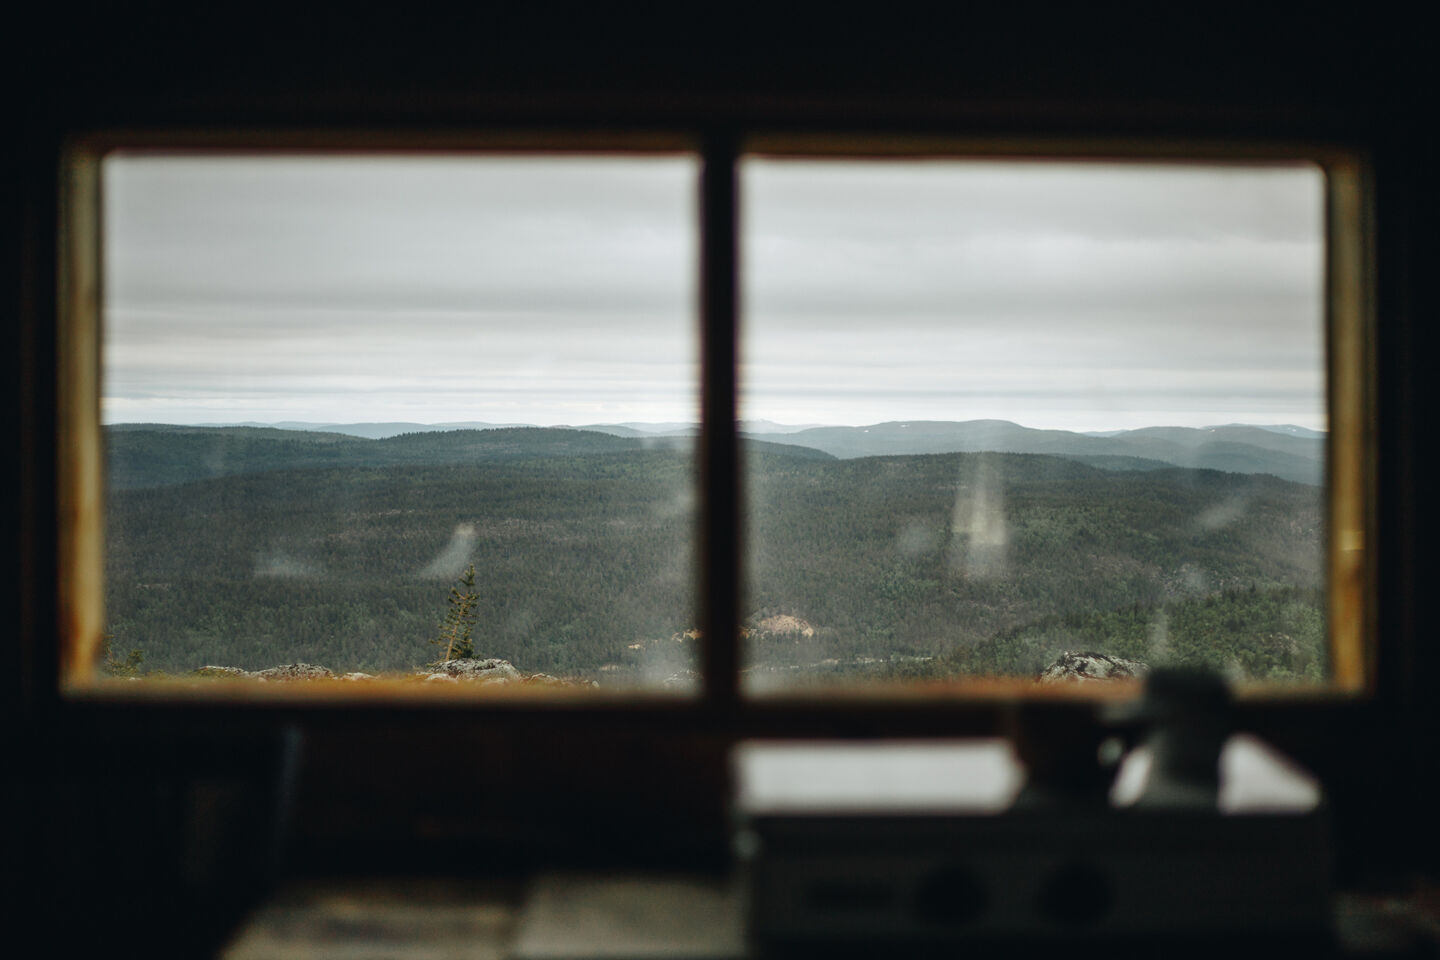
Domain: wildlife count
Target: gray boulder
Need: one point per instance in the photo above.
(1091, 667)
(294, 671)
(489, 670)
(210, 670)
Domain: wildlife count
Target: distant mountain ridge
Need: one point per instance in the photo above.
(380, 430)
(1234, 448)
(1283, 450)
(154, 455)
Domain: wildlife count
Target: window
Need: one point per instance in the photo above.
(1010, 359)
(342, 390)
(905, 585)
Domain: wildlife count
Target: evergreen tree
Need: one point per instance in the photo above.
(459, 624)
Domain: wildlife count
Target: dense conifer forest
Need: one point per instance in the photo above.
(252, 547)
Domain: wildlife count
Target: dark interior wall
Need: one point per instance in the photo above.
(1083, 61)
(1164, 71)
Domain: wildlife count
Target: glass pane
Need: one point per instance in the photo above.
(1014, 418)
(401, 415)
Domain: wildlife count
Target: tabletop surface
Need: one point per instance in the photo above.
(641, 916)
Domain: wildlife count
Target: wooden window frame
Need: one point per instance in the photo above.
(1348, 334)
(688, 738)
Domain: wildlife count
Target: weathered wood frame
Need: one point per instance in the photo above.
(1348, 322)
(672, 748)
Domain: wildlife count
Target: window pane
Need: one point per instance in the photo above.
(335, 384)
(1000, 412)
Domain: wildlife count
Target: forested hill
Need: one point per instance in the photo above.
(149, 455)
(1289, 452)
(938, 554)
(584, 556)
(1234, 448)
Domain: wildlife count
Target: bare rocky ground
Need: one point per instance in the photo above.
(670, 672)
(1090, 668)
(491, 670)
(1069, 667)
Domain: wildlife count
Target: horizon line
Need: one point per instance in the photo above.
(681, 424)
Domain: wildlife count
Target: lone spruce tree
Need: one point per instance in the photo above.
(459, 624)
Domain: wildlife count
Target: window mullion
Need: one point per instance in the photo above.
(719, 440)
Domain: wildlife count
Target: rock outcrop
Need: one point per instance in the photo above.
(489, 670)
(785, 625)
(294, 671)
(210, 670)
(1091, 667)
(288, 671)
(467, 670)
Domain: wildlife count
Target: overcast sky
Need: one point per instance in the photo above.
(562, 290)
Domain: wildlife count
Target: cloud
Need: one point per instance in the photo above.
(1081, 295)
(562, 290)
(559, 234)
